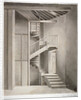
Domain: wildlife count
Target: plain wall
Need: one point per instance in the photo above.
(66, 29)
(21, 24)
(71, 49)
(34, 75)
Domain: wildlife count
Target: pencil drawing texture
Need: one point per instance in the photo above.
(40, 48)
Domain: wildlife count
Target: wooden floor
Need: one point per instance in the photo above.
(36, 90)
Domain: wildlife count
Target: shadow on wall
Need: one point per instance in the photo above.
(34, 75)
(71, 49)
(70, 84)
(44, 61)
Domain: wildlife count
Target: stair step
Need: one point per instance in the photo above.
(56, 83)
(52, 77)
(50, 74)
(54, 80)
(58, 86)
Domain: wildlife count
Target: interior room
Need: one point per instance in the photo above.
(40, 48)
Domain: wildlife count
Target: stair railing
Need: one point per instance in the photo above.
(37, 45)
(47, 40)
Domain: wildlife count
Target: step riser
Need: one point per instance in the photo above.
(53, 77)
(51, 74)
(58, 87)
(52, 83)
(62, 85)
(53, 80)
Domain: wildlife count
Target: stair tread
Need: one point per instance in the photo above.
(56, 83)
(52, 82)
(52, 77)
(59, 86)
(46, 75)
(49, 74)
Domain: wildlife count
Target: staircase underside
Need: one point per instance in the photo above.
(38, 52)
(41, 50)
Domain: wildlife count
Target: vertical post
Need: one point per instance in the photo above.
(54, 61)
(28, 64)
(5, 49)
(11, 55)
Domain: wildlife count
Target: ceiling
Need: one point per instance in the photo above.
(41, 14)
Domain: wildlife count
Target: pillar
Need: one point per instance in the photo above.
(52, 61)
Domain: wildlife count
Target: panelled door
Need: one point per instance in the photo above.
(21, 48)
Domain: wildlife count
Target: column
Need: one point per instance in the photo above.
(11, 51)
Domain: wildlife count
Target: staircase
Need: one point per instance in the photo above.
(38, 52)
(54, 81)
(42, 45)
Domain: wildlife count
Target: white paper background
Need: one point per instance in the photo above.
(79, 45)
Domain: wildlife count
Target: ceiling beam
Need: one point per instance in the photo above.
(42, 12)
(49, 14)
(61, 12)
(44, 21)
(26, 6)
(35, 14)
(42, 16)
(32, 15)
(28, 15)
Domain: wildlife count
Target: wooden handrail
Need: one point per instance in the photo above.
(43, 38)
(47, 40)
